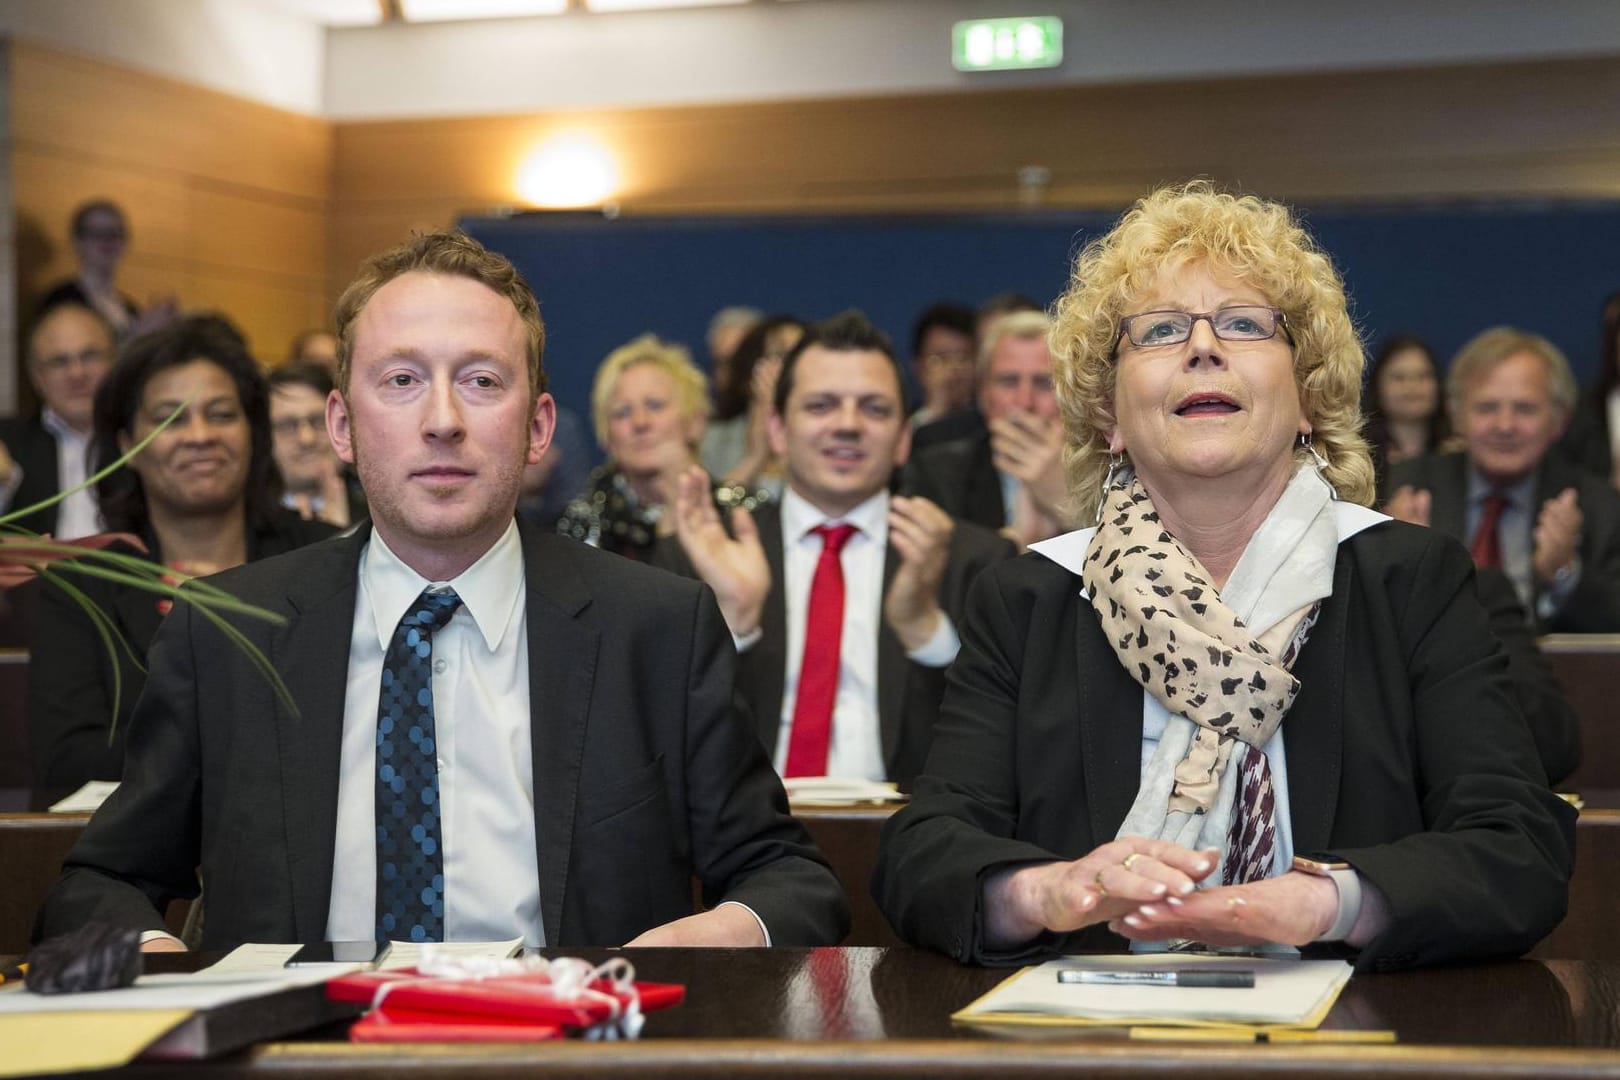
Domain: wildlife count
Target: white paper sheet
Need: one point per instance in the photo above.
(87, 800)
(1284, 992)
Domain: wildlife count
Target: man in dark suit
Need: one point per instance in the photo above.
(1550, 527)
(541, 747)
(1008, 476)
(853, 689)
(69, 351)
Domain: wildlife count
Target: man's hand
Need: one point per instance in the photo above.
(1029, 522)
(1030, 448)
(1409, 504)
(1113, 881)
(735, 569)
(162, 944)
(1293, 909)
(7, 465)
(729, 926)
(921, 533)
(1557, 535)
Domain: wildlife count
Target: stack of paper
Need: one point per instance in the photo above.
(1287, 994)
(838, 791)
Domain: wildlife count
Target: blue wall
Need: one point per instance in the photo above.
(1442, 272)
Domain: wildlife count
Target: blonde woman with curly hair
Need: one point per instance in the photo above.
(1244, 709)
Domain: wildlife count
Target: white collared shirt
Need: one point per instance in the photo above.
(856, 746)
(77, 515)
(481, 717)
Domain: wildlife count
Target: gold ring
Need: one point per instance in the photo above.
(1096, 883)
(1132, 857)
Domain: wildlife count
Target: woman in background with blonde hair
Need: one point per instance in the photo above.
(1240, 664)
(649, 404)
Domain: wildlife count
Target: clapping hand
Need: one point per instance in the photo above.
(732, 564)
(921, 534)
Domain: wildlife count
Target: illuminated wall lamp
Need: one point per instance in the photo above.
(568, 171)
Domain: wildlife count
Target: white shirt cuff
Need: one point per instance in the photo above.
(155, 935)
(940, 648)
(762, 927)
(1348, 882)
(747, 641)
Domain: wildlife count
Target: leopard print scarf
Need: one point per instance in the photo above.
(1172, 631)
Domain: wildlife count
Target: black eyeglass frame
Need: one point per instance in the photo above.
(1123, 334)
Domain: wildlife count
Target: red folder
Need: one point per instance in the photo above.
(507, 999)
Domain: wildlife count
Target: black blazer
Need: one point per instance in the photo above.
(643, 776)
(1407, 758)
(72, 673)
(1586, 440)
(34, 448)
(908, 694)
(1594, 606)
(960, 478)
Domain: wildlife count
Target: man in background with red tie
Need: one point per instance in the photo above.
(842, 599)
(1521, 509)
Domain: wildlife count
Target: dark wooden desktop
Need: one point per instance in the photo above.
(757, 1013)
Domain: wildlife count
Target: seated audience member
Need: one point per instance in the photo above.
(1109, 766)
(570, 711)
(648, 405)
(202, 496)
(942, 352)
(1003, 303)
(735, 445)
(843, 600)
(100, 234)
(1552, 527)
(69, 351)
(316, 483)
(1010, 475)
(726, 330)
(1401, 403)
(318, 347)
(1593, 438)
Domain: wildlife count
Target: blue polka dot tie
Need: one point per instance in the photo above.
(410, 853)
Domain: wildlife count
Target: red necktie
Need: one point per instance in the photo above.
(818, 673)
(1487, 547)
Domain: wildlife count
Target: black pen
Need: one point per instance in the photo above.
(1226, 979)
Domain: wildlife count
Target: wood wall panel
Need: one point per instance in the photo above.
(1528, 128)
(228, 200)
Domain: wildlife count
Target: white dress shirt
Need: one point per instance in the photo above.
(77, 515)
(481, 717)
(856, 746)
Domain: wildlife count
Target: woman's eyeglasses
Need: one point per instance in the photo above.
(1240, 323)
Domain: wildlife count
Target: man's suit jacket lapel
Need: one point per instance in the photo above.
(312, 655)
(562, 670)
(769, 669)
(984, 501)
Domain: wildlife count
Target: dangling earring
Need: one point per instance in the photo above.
(1116, 463)
(1308, 443)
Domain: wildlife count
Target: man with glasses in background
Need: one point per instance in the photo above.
(69, 351)
(318, 486)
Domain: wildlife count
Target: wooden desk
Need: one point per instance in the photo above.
(1585, 666)
(757, 1013)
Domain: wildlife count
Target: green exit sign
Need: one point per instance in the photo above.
(1004, 44)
